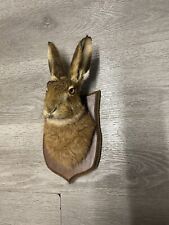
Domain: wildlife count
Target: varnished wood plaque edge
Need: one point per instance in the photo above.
(99, 137)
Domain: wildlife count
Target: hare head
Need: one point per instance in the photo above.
(62, 99)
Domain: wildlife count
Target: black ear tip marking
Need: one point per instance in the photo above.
(50, 43)
(87, 36)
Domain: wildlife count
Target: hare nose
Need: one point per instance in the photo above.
(50, 116)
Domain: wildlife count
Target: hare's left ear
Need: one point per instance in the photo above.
(55, 62)
(81, 60)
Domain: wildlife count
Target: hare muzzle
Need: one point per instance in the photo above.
(49, 114)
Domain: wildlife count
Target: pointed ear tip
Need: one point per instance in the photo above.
(88, 37)
(50, 43)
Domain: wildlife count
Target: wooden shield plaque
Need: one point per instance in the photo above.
(93, 157)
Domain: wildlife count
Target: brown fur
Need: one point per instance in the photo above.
(68, 145)
(69, 128)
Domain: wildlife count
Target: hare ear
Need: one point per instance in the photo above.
(81, 60)
(55, 63)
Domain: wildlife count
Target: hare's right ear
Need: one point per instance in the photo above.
(81, 60)
(55, 63)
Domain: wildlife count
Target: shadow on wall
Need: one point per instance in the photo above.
(147, 155)
(94, 70)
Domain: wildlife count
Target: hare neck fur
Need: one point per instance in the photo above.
(64, 122)
(68, 145)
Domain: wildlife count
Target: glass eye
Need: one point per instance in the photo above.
(71, 90)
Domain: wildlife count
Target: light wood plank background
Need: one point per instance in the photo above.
(131, 68)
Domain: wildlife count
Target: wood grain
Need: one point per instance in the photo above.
(105, 208)
(130, 67)
(29, 208)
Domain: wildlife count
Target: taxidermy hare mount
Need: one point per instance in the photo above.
(69, 127)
